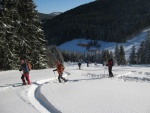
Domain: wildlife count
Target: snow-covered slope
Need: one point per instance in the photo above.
(87, 91)
(55, 13)
(136, 40)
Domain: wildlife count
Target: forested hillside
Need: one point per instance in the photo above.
(44, 17)
(105, 20)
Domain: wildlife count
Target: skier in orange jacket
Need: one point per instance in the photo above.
(59, 69)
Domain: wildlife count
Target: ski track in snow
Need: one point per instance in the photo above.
(34, 97)
(126, 77)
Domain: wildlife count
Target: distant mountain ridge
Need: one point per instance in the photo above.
(107, 20)
(55, 13)
(44, 17)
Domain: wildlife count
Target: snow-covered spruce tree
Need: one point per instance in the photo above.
(32, 43)
(2, 36)
(77, 56)
(64, 54)
(132, 56)
(51, 57)
(147, 49)
(122, 60)
(59, 55)
(97, 57)
(141, 53)
(112, 56)
(116, 53)
(105, 56)
(107, 53)
(8, 34)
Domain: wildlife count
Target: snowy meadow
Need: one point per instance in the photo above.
(88, 90)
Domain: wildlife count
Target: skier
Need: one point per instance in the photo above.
(79, 64)
(110, 64)
(24, 68)
(87, 63)
(59, 69)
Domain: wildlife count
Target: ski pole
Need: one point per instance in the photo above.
(104, 69)
(21, 73)
(55, 76)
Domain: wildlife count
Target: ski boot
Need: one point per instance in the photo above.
(23, 83)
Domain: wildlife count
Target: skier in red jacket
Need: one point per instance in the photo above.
(110, 64)
(24, 68)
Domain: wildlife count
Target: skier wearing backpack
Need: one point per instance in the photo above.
(110, 64)
(59, 69)
(25, 69)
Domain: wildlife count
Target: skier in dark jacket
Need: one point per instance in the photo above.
(24, 68)
(87, 63)
(110, 64)
(79, 64)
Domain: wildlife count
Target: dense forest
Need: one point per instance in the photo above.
(105, 20)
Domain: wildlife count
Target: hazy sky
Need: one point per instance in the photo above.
(48, 6)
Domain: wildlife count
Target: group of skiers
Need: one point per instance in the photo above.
(26, 67)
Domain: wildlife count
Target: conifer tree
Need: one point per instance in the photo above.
(104, 56)
(141, 53)
(147, 49)
(122, 60)
(112, 56)
(2, 35)
(9, 34)
(32, 43)
(132, 55)
(98, 57)
(116, 53)
(54, 55)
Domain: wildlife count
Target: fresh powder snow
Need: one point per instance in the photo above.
(88, 90)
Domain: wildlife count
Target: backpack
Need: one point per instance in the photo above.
(29, 66)
(63, 66)
(60, 68)
(111, 60)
